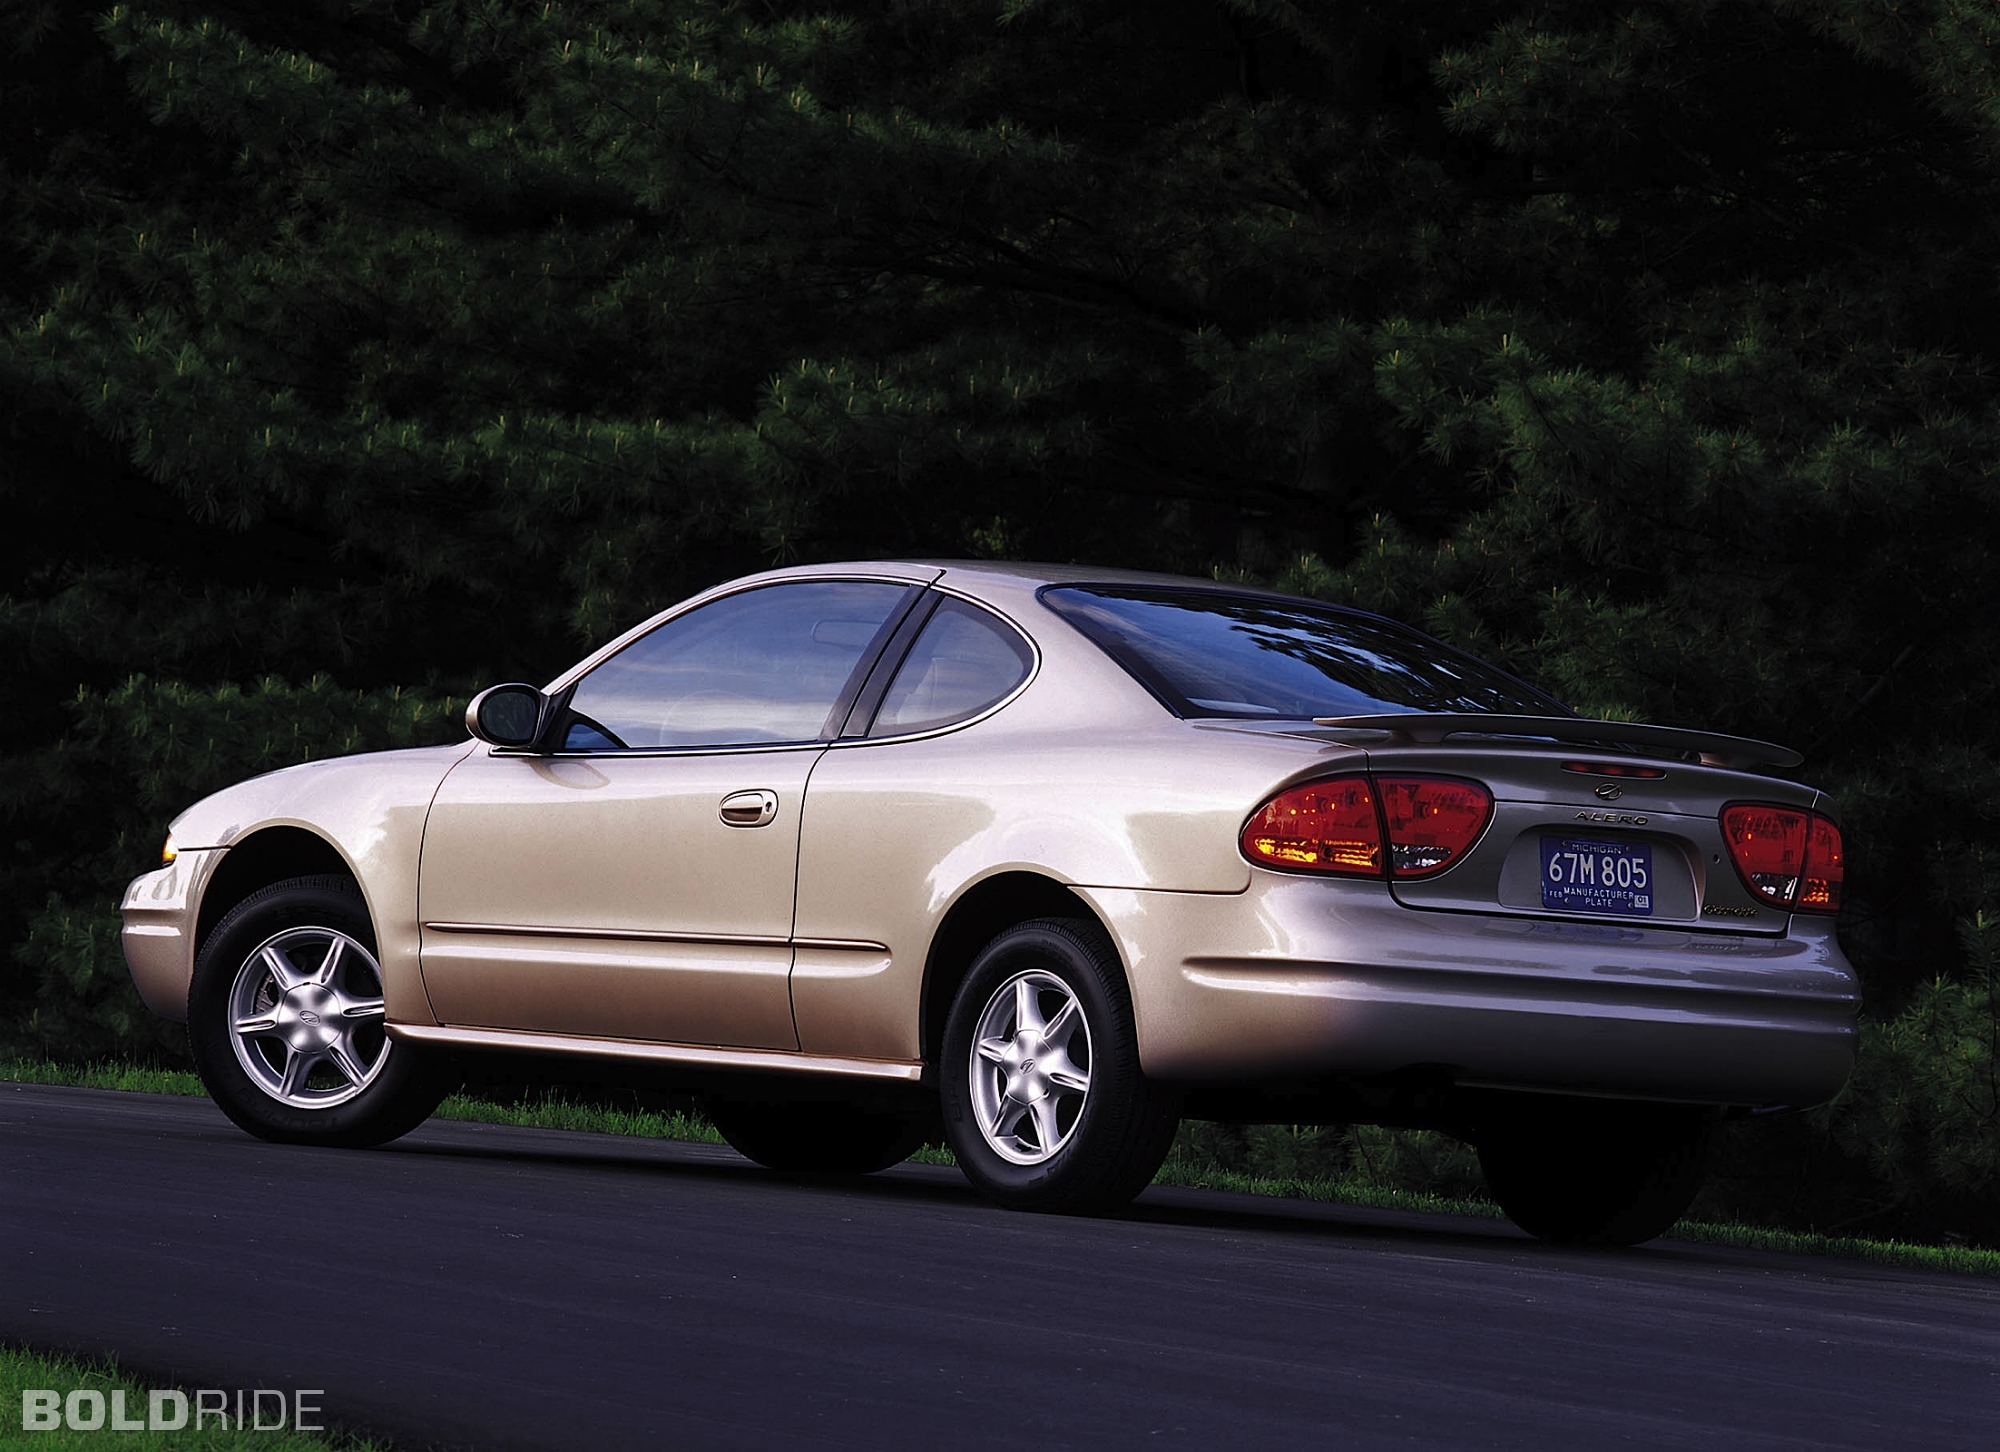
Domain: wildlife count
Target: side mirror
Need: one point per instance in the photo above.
(509, 715)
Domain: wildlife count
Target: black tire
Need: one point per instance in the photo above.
(299, 921)
(1070, 1151)
(816, 1136)
(1597, 1174)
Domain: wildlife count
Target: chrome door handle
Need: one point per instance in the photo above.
(749, 809)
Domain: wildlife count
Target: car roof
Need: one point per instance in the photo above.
(1029, 573)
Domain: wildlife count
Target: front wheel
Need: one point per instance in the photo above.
(1044, 1101)
(1600, 1173)
(287, 1026)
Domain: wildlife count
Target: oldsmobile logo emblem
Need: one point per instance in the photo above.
(1610, 791)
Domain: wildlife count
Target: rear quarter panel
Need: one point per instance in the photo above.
(1083, 778)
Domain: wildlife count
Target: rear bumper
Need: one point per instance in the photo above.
(1298, 978)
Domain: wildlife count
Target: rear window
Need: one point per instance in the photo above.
(1212, 653)
(964, 661)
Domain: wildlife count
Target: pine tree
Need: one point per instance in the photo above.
(407, 347)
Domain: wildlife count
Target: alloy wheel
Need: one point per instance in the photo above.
(306, 1017)
(1030, 1067)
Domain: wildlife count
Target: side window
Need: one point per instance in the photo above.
(964, 661)
(766, 665)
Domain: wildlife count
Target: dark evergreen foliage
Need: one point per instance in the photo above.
(1646, 349)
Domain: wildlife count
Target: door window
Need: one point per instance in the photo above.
(964, 661)
(763, 666)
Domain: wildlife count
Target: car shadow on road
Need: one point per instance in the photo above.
(1222, 1210)
(1225, 1212)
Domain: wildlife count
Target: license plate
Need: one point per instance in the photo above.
(1584, 875)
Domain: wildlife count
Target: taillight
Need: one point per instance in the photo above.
(1336, 826)
(1325, 826)
(1786, 857)
(1768, 846)
(1431, 820)
(1826, 868)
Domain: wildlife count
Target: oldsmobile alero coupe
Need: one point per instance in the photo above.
(1045, 858)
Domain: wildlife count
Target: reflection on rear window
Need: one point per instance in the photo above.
(1212, 653)
(963, 662)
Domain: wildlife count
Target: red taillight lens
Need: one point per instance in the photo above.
(1826, 868)
(1327, 826)
(1786, 857)
(1768, 846)
(1431, 820)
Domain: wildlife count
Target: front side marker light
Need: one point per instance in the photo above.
(167, 851)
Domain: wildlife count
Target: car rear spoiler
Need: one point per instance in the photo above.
(1714, 750)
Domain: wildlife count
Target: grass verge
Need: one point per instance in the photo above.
(115, 1393)
(1194, 1176)
(1961, 1260)
(552, 1112)
(102, 1076)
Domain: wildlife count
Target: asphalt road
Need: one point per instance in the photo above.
(488, 1287)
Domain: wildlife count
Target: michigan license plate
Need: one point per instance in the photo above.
(1582, 875)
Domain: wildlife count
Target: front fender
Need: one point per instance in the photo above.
(369, 809)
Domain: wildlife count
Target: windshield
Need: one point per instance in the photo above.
(1212, 653)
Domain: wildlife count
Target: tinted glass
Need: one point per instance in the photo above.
(1217, 654)
(766, 665)
(964, 661)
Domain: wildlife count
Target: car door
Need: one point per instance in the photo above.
(899, 813)
(638, 882)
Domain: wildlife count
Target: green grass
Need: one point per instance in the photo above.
(1195, 1176)
(554, 1112)
(1961, 1260)
(22, 1371)
(102, 1076)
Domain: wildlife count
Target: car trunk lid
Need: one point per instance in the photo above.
(1601, 836)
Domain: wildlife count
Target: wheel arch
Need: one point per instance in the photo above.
(982, 912)
(266, 856)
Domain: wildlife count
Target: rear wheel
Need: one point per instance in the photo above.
(287, 1026)
(1597, 1173)
(816, 1136)
(1044, 1102)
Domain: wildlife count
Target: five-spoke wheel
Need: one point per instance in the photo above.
(1030, 1069)
(1044, 1102)
(287, 1024)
